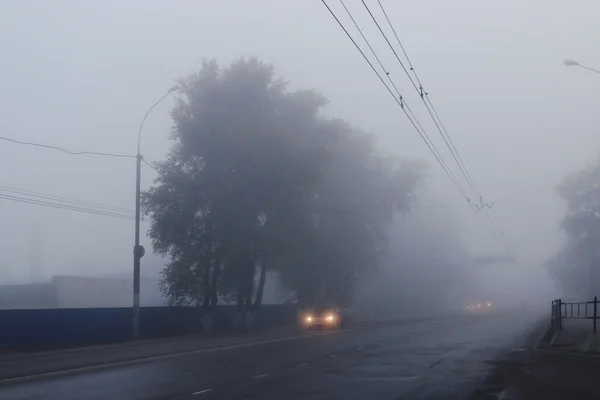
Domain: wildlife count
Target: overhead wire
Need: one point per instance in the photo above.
(425, 98)
(70, 152)
(389, 44)
(482, 206)
(65, 200)
(41, 199)
(400, 97)
(401, 102)
(50, 204)
(150, 165)
(386, 71)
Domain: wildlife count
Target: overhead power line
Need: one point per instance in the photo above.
(482, 206)
(385, 70)
(51, 204)
(64, 200)
(403, 102)
(150, 165)
(424, 95)
(67, 151)
(403, 105)
(426, 100)
(430, 206)
(390, 45)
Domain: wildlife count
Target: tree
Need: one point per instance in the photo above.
(575, 266)
(346, 220)
(258, 179)
(245, 149)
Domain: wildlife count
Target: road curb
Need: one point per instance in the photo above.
(562, 356)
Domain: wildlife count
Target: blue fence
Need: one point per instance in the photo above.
(30, 330)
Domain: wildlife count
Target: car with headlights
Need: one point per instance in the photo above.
(324, 317)
(479, 306)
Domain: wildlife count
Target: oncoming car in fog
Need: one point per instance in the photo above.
(481, 306)
(323, 317)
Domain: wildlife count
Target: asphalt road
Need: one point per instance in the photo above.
(436, 359)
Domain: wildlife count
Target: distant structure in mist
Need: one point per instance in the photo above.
(91, 292)
(79, 292)
(35, 255)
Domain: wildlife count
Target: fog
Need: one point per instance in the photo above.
(81, 75)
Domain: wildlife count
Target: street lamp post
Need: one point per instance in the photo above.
(138, 251)
(571, 63)
(592, 230)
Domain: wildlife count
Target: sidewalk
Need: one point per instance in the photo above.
(29, 364)
(541, 371)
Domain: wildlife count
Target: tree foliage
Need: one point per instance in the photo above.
(575, 265)
(258, 179)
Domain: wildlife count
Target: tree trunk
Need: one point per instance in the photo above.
(261, 284)
(206, 285)
(246, 283)
(216, 271)
(206, 275)
(249, 280)
(240, 295)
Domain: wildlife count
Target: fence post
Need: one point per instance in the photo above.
(552, 314)
(595, 312)
(559, 312)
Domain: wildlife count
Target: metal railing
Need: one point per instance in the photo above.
(574, 310)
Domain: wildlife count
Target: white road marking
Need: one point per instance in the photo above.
(302, 364)
(93, 368)
(202, 392)
(359, 349)
(259, 376)
(332, 356)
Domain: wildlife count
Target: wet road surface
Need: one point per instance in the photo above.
(436, 359)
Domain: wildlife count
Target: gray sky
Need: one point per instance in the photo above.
(81, 74)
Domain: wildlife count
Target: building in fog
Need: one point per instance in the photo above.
(42, 295)
(80, 292)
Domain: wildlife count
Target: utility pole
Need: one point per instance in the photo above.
(593, 264)
(139, 251)
(594, 209)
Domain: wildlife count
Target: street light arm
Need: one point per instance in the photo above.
(571, 63)
(590, 69)
(174, 88)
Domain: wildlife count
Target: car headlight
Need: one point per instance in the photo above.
(309, 318)
(489, 304)
(330, 318)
